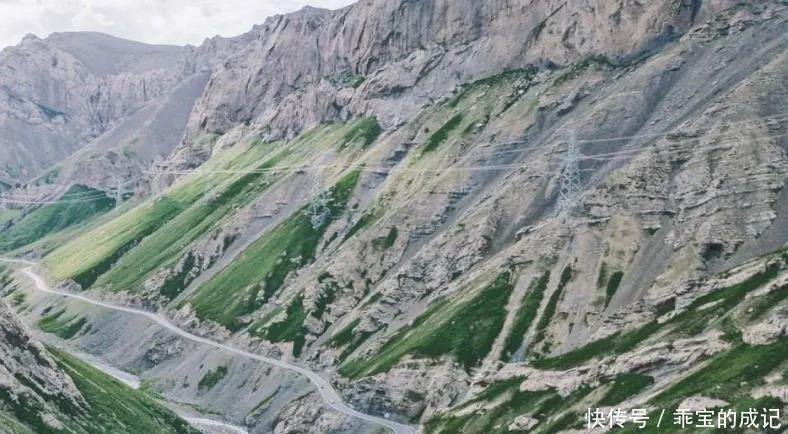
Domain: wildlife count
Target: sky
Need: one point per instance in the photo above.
(177, 22)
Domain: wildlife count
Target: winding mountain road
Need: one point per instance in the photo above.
(330, 396)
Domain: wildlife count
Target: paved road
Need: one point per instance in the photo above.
(327, 392)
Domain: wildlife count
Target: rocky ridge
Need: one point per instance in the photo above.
(678, 113)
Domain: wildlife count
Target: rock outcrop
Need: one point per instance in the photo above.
(453, 262)
(390, 59)
(61, 92)
(30, 380)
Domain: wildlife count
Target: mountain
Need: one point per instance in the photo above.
(61, 92)
(43, 390)
(469, 216)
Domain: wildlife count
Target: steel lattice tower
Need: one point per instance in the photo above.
(570, 177)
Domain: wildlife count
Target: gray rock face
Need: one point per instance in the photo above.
(29, 378)
(386, 59)
(390, 58)
(679, 109)
(59, 93)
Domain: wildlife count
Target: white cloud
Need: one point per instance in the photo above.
(152, 21)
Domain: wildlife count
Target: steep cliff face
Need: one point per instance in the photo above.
(32, 383)
(43, 392)
(390, 59)
(413, 244)
(61, 92)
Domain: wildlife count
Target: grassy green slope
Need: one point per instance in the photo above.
(112, 407)
(731, 375)
(65, 327)
(164, 246)
(76, 205)
(248, 282)
(123, 252)
(115, 407)
(88, 256)
(464, 329)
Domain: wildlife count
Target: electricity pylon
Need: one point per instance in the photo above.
(118, 191)
(319, 210)
(570, 177)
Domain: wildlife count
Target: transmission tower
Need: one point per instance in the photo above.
(570, 177)
(118, 192)
(319, 210)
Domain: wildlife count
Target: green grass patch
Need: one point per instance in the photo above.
(291, 329)
(77, 205)
(733, 295)
(730, 330)
(130, 154)
(370, 217)
(164, 246)
(221, 183)
(497, 419)
(257, 327)
(65, 328)
(729, 375)
(442, 134)
(464, 330)
(601, 280)
(349, 339)
(364, 131)
(763, 305)
(164, 210)
(109, 248)
(344, 336)
(689, 323)
(616, 343)
(373, 299)
(327, 296)
(174, 284)
(247, 283)
(50, 112)
(525, 315)
(354, 81)
(612, 286)
(8, 420)
(388, 241)
(115, 407)
(7, 215)
(506, 77)
(49, 177)
(264, 403)
(625, 386)
(17, 298)
(508, 402)
(574, 70)
(552, 305)
(212, 378)
(704, 311)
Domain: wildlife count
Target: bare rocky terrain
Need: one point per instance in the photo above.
(375, 193)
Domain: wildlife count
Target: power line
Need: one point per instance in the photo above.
(780, 117)
(610, 156)
(621, 138)
(478, 148)
(378, 169)
(90, 196)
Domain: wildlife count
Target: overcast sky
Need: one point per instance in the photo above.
(153, 21)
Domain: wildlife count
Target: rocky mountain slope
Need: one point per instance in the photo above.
(46, 391)
(62, 92)
(375, 192)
